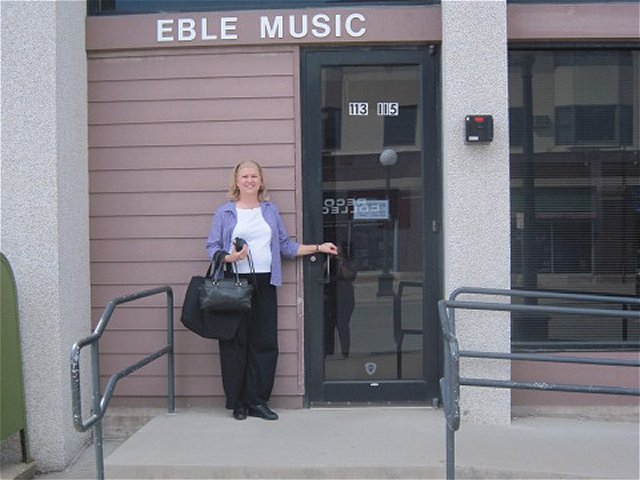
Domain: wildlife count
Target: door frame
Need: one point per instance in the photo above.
(426, 390)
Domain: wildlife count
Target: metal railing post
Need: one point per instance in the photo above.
(101, 402)
(97, 426)
(450, 385)
(451, 452)
(171, 389)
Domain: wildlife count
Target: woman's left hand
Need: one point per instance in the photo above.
(328, 248)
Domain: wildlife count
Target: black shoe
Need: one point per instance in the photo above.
(262, 411)
(240, 413)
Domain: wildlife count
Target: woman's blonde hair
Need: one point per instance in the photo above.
(234, 191)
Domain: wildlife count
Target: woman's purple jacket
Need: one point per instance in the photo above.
(224, 221)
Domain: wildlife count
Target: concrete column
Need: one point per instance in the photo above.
(476, 186)
(44, 208)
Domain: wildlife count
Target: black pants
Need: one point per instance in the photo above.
(339, 306)
(248, 362)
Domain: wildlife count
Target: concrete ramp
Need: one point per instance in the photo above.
(372, 443)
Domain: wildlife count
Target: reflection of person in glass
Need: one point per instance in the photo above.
(340, 301)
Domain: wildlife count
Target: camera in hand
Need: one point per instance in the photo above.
(239, 243)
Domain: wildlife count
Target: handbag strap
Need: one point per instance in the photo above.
(216, 267)
(252, 269)
(253, 273)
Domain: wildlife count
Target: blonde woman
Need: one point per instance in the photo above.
(248, 361)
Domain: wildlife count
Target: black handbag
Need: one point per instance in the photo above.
(220, 293)
(216, 325)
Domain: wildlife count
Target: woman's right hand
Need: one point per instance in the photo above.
(236, 256)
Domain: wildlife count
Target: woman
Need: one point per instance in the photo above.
(248, 362)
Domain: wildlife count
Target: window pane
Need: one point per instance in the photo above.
(575, 184)
(123, 7)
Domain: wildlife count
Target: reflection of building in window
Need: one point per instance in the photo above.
(574, 208)
(332, 128)
(401, 129)
(562, 246)
(594, 124)
(516, 126)
(593, 97)
(563, 230)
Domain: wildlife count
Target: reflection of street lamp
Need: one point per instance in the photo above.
(388, 159)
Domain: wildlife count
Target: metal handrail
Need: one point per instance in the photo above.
(101, 402)
(451, 381)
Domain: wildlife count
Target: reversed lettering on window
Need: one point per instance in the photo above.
(366, 209)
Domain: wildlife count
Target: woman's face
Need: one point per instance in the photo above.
(248, 181)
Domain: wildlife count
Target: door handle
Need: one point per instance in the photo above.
(326, 274)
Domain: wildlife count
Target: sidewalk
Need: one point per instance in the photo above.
(371, 442)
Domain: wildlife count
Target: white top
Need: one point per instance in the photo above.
(253, 228)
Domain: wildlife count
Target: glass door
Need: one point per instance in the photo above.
(371, 183)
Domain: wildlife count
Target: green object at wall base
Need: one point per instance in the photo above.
(13, 416)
